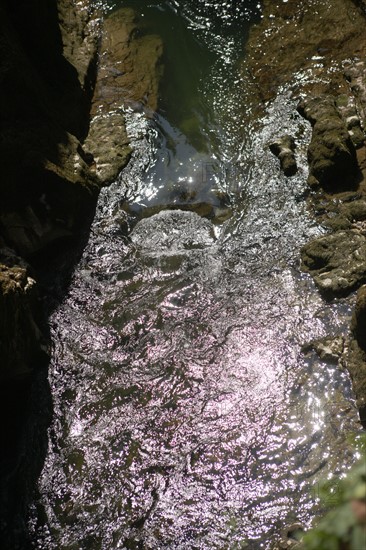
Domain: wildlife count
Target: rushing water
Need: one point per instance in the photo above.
(185, 414)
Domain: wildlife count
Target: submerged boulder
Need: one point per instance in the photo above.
(173, 231)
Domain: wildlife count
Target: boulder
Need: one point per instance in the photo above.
(336, 261)
(172, 232)
(358, 325)
(284, 149)
(331, 153)
(128, 76)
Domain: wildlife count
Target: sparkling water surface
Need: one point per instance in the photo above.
(185, 414)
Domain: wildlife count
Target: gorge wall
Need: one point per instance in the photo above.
(63, 137)
(320, 54)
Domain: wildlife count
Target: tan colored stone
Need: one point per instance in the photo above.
(129, 71)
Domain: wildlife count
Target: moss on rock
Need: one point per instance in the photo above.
(331, 153)
(336, 261)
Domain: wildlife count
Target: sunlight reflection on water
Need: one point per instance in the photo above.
(186, 415)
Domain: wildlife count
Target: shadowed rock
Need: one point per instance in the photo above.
(284, 149)
(358, 325)
(331, 154)
(355, 356)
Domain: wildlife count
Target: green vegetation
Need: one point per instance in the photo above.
(344, 526)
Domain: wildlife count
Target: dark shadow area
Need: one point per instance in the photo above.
(45, 215)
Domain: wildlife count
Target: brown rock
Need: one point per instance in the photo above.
(284, 149)
(290, 44)
(128, 76)
(331, 153)
(336, 261)
(358, 325)
(130, 65)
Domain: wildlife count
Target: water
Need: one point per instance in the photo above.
(185, 414)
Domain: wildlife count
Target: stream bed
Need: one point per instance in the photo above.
(185, 414)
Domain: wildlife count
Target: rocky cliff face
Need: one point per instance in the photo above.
(319, 56)
(47, 71)
(62, 138)
(45, 99)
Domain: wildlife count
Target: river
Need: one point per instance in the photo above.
(186, 415)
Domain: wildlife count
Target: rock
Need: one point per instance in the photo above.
(108, 140)
(355, 361)
(358, 325)
(290, 537)
(336, 261)
(24, 401)
(329, 349)
(291, 47)
(354, 210)
(331, 153)
(216, 214)
(130, 65)
(349, 110)
(48, 189)
(284, 149)
(129, 72)
(23, 344)
(44, 103)
(355, 74)
(80, 28)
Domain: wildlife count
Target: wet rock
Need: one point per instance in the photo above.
(355, 361)
(349, 110)
(129, 72)
(331, 154)
(216, 214)
(354, 210)
(290, 538)
(358, 325)
(108, 140)
(23, 344)
(336, 261)
(355, 74)
(80, 28)
(329, 349)
(291, 47)
(130, 65)
(284, 149)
